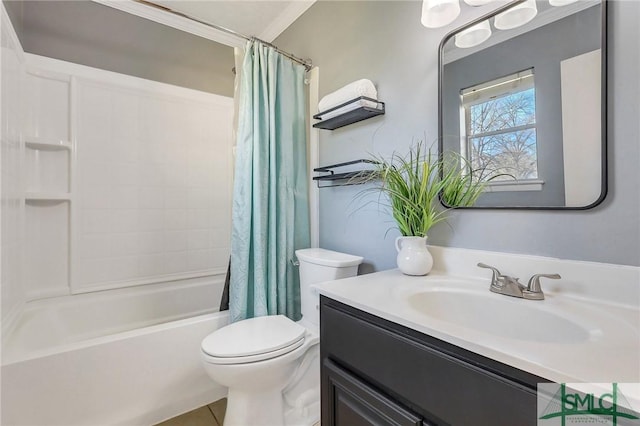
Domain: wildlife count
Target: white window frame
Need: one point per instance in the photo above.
(485, 92)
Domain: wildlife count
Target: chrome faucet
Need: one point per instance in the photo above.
(510, 286)
(533, 290)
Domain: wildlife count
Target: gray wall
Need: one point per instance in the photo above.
(15, 12)
(91, 34)
(542, 49)
(384, 41)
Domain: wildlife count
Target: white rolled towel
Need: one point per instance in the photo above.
(351, 91)
(347, 108)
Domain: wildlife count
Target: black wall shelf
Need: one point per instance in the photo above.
(349, 117)
(344, 178)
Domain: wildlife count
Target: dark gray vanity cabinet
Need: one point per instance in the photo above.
(376, 372)
(355, 403)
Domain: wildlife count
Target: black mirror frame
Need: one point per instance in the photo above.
(604, 113)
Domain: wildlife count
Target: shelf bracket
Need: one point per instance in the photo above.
(350, 112)
(345, 178)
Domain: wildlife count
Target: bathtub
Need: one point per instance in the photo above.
(118, 357)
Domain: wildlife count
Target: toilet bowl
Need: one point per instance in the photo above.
(271, 364)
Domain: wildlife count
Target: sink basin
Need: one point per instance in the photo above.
(501, 316)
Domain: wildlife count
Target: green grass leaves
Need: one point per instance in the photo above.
(414, 183)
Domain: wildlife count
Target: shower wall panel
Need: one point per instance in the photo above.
(142, 177)
(47, 135)
(154, 186)
(11, 73)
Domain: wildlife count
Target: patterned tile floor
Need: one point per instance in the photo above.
(209, 415)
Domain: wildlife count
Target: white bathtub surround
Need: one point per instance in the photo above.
(115, 230)
(128, 181)
(11, 70)
(126, 356)
(141, 377)
(67, 323)
(588, 315)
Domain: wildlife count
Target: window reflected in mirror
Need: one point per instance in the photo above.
(524, 106)
(500, 128)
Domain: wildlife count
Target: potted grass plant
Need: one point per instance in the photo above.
(414, 184)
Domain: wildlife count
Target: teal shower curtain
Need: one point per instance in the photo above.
(270, 198)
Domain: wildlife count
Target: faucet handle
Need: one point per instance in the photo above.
(534, 282)
(496, 272)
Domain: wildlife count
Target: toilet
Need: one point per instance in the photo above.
(271, 364)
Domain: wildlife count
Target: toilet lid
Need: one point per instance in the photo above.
(254, 336)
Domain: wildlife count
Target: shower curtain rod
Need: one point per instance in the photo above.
(306, 63)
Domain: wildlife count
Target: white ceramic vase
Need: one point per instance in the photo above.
(413, 256)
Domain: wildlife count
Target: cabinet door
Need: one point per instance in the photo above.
(440, 387)
(352, 402)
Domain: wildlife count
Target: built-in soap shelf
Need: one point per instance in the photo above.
(44, 196)
(46, 144)
(346, 177)
(358, 109)
(47, 168)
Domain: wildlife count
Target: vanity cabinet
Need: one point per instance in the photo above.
(376, 372)
(355, 403)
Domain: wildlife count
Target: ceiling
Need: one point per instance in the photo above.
(264, 19)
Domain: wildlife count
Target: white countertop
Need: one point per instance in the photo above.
(609, 353)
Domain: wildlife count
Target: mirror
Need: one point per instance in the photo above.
(522, 95)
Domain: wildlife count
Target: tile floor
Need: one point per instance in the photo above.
(209, 415)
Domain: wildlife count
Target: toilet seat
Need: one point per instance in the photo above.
(253, 340)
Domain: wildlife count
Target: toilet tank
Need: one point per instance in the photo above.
(318, 265)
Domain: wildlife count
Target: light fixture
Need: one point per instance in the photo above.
(473, 35)
(438, 13)
(561, 2)
(516, 16)
(477, 2)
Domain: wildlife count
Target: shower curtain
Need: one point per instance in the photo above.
(270, 198)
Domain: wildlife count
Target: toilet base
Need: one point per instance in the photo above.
(262, 408)
(302, 396)
(306, 416)
(279, 391)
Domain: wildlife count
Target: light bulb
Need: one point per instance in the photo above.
(561, 2)
(474, 35)
(438, 13)
(516, 16)
(477, 2)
